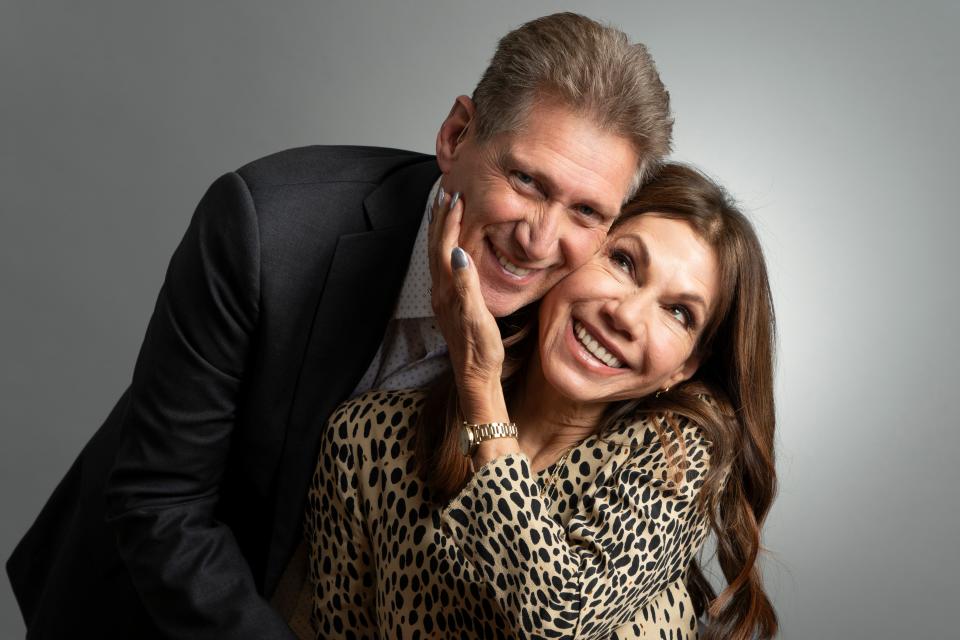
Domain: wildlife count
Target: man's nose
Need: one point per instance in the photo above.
(539, 233)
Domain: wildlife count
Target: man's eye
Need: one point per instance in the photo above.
(522, 177)
(589, 212)
(622, 261)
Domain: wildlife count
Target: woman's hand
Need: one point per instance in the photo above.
(470, 330)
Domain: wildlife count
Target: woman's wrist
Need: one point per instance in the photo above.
(483, 403)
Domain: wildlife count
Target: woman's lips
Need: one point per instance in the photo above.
(584, 355)
(594, 346)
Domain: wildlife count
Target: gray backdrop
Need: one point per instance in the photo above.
(834, 123)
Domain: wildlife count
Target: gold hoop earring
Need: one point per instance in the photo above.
(661, 391)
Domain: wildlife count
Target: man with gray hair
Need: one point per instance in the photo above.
(302, 280)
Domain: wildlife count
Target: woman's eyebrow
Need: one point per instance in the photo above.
(694, 298)
(641, 253)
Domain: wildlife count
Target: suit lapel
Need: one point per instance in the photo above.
(357, 300)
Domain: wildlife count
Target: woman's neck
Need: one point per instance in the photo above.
(549, 423)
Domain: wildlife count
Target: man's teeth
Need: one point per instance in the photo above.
(509, 266)
(594, 347)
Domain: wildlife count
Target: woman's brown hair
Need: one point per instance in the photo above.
(730, 398)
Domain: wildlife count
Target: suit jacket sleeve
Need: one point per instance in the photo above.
(163, 491)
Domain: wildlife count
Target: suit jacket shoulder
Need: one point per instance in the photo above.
(307, 197)
(317, 164)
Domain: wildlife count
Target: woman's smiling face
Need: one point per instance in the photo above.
(627, 322)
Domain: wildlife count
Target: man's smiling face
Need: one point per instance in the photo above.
(538, 202)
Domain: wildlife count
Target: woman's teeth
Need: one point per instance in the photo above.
(509, 266)
(593, 346)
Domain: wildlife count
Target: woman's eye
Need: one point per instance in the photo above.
(622, 261)
(682, 315)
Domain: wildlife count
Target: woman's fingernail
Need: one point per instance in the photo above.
(454, 199)
(459, 258)
(441, 196)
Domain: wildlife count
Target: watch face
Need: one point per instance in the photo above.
(465, 440)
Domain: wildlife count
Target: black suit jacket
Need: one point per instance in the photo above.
(183, 510)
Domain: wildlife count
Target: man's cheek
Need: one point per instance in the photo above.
(471, 240)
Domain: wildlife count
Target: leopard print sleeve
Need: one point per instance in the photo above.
(341, 564)
(634, 532)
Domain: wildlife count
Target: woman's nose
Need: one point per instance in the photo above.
(625, 315)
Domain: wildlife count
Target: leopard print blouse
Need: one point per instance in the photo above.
(602, 554)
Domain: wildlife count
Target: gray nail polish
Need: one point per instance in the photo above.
(459, 258)
(441, 196)
(453, 200)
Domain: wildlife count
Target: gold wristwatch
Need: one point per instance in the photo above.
(471, 435)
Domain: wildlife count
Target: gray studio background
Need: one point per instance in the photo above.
(834, 123)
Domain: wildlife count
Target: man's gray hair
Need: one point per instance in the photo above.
(592, 69)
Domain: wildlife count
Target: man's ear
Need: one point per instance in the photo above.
(453, 131)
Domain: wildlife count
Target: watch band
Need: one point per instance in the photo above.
(491, 430)
(488, 431)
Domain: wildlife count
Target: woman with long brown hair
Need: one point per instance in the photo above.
(563, 484)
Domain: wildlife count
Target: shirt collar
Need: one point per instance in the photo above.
(414, 300)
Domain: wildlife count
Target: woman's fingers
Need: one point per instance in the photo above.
(437, 211)
(471, 332)
(479, 325)
(456, 296)
(466, 281)
(450, 229)
(444, 229)
(443, 233)
(478, 355)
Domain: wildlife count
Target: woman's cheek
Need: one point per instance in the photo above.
(669, 349)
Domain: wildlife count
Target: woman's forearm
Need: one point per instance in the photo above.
(481, 398)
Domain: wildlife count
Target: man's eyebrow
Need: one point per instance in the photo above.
(508, 160)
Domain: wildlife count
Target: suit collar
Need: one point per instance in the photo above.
(399, 200)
